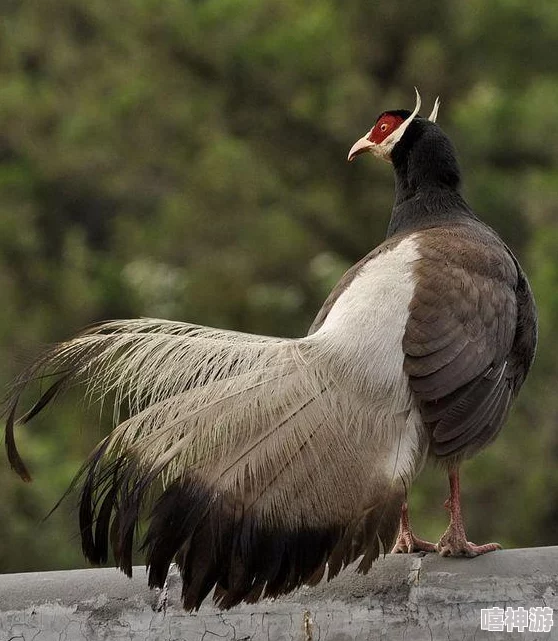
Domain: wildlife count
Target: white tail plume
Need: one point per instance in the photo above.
(252, 435)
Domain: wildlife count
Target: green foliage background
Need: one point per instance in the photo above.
(186, 159)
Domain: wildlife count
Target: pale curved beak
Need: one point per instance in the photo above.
(360, 147)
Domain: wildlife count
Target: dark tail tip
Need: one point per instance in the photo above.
(14, 458)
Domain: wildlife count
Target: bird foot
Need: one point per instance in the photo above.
(454, 540)
(454, 543)
(407, 543)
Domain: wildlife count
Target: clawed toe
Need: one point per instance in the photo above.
(465, 548)
(407, 543)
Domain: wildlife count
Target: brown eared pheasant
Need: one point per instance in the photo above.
(261, 463)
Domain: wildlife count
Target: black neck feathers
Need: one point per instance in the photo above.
(427, 180)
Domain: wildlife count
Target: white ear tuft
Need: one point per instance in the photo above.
(417, 106)
(432, 117)
(396, 136)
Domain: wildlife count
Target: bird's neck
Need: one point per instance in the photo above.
(427, 184)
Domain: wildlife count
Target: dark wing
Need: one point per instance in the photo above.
(460, 335)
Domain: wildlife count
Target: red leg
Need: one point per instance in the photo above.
(454, 541)
(407, 542)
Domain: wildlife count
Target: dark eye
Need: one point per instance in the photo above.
(383, 127)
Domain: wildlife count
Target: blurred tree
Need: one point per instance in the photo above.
(186, 159)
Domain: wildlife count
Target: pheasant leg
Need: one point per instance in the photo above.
(407, 542)
(454, 540)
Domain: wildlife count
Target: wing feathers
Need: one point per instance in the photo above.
(435, 360)
(460, 332)
(419, 342)
(467, 416)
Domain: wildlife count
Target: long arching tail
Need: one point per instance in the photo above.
(260, 465)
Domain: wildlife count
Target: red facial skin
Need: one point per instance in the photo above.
(386, 125)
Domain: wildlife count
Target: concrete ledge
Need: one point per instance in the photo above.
(411, 598)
